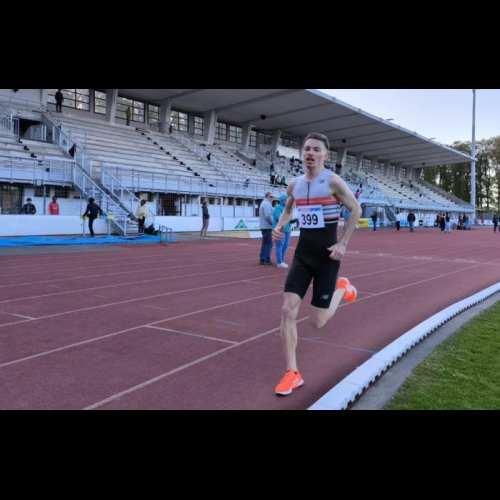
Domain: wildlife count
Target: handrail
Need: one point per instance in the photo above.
(125, 197)
(203, 152)
(137, 180)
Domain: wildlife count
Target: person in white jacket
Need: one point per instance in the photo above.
(398, 220)
(142, 215)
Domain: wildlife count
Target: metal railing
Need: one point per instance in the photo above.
(82, 173)
(405, 202)
(376, 197)
(453, 199)
(9, 126)
(78, 136)
(265, 149)
(123, 195)
(202, 152)
(247, 153)
(165, 235)
(4, 110)
(46, 171)
(13, 103)
(136, 180)
(83, 183)
(61, 171)
(154, 127)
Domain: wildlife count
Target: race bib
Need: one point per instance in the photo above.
(311, 217)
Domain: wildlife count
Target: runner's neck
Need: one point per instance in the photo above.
(313, 174)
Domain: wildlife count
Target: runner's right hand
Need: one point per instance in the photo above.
(278, 234)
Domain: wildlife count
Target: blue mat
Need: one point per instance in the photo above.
(34, 241)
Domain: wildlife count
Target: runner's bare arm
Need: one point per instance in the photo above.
(343, 194)
(287, 214)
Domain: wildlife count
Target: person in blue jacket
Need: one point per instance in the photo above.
(283, 245)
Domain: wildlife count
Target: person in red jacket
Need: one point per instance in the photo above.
(54, 207)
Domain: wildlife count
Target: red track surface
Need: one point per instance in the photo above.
(196, 325)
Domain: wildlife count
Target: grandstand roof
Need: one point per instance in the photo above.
(300, 111)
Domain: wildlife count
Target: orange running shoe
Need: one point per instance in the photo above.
(290, 382)
(351, 292)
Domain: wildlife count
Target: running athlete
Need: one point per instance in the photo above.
(318, 195)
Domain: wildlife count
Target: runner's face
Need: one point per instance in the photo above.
(314, 154)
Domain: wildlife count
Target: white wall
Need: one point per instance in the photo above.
(217, 224)
(195, 210)
(188, 224)
(66, 206)
(46, 225)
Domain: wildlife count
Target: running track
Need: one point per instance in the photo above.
(196, 325)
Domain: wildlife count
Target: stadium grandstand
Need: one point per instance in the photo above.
(176, 148)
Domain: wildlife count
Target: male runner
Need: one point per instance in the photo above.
(318, 195)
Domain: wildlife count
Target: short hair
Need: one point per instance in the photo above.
(319, 137)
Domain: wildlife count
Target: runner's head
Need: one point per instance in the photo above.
(315, 152)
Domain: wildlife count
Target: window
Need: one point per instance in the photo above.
(199, 125)
(73, 98)
(235, 134)
(179, 121)
(99, 102)
(11, 199)
(42, 192)
(351, 162)
(253, 139)
(221, 131)
(153, 114)
(138, 109)
(289, 143)
(62, 192)
(265, 139)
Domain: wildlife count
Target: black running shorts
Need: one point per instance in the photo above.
(312, 263)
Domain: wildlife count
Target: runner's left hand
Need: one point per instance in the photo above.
(337, 252)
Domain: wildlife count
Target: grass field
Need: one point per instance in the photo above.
(462, 374)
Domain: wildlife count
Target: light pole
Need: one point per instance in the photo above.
(473, 165)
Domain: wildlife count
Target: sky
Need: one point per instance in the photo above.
(443, 114)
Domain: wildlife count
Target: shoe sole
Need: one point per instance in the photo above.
(290, 392)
